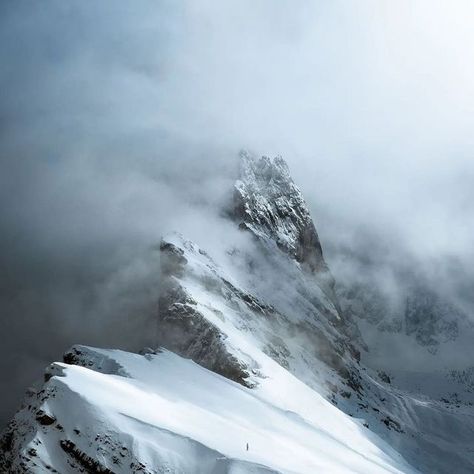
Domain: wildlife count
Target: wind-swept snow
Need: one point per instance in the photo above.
(168, 414)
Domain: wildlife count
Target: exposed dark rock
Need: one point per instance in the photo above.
(172, 259)
(81, 356)
(184, 330)
(392, 424)
(89, 464)
(45, 419)
(384, 377)
(253, 303)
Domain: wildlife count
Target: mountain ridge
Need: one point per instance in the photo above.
(264, 318)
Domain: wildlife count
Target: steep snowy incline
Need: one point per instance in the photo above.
(156, 413)
(234, 323)
(227, 323)
(226, 313)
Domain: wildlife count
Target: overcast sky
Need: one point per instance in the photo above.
(118, 118)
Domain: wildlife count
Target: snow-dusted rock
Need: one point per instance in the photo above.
(269, 204)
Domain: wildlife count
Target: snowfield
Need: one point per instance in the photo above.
(177, 417)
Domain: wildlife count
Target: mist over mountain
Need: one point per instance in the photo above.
(122, 122)
(361, 382)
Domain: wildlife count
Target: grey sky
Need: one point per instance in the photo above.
(117, 119)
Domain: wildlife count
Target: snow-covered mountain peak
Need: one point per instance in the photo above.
(262, 372)
(270, 205)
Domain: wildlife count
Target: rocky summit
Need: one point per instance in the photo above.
(269, 204)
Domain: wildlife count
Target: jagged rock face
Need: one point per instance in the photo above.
(183, 328)
(270, 205)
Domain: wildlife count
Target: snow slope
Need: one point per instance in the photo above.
(161, 413)
(254, 317)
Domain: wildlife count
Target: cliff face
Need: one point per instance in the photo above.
(185, 325)
(270, 205)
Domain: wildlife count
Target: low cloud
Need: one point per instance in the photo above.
(120, 122)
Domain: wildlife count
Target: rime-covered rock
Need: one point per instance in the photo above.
(270, 205)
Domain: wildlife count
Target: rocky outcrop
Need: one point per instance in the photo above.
(269, 204)
(184, 329)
